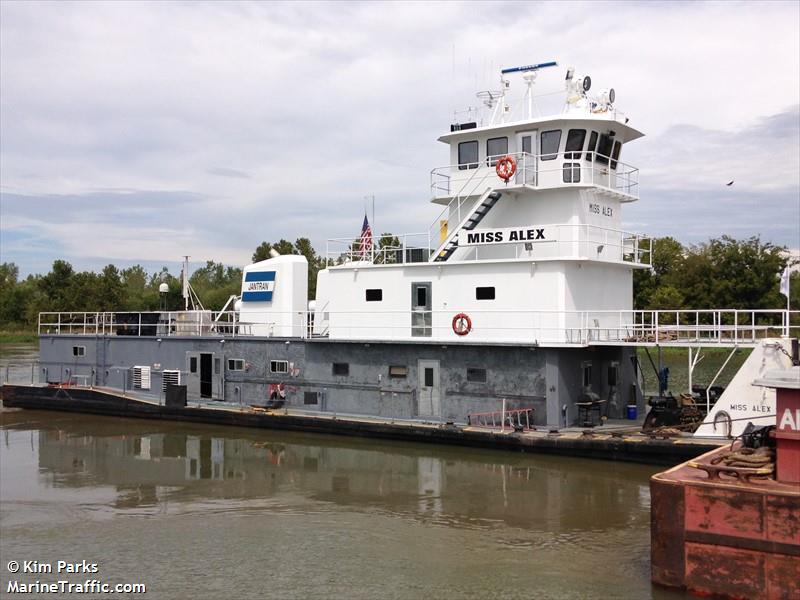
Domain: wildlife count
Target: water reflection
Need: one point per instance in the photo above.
(169, 466)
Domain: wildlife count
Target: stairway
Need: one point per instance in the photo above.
(482, 208)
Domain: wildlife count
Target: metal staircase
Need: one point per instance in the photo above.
(479, 210)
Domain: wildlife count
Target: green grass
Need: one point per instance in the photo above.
(677, 359)
(18, 336)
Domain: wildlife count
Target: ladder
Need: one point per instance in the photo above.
(479, 210)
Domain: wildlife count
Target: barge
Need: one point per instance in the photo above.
(727, 524)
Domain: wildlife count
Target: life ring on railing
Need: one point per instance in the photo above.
(506, 167)
(462, 324)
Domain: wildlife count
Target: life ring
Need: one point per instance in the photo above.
(462, 324)
(506, 167)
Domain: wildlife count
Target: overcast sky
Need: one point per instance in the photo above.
(138, 132)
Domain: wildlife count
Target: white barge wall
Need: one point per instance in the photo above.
(275, 297)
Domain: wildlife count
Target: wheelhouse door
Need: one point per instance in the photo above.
(421, 304)
(527, 160)
(428, 393)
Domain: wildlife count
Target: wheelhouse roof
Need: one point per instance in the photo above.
(609, 120)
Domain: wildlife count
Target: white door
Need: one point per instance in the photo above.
(428, 396)
(527, 147)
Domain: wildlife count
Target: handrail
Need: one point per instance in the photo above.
(537, 327)
(592, 168)
(581, 241)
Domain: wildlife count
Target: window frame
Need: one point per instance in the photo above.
(615, 154)
(571, 172)
(464, 165)
(279, 363)
(549, 155)
(492, 158)
(602, 157)
(574, 154)
(78, 351)
(373, 290)
(590, 149)
(235, 364)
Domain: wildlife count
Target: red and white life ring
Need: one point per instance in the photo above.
(462, 324)
(506, 167)
(276, 391)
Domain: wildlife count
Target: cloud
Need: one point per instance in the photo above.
(137, 130)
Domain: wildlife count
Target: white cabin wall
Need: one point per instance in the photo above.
(522, 291)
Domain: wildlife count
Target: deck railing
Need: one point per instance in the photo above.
(566, 241)
(543, 328)
(543, 171)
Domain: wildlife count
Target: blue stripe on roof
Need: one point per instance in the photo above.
(260, 276)
(257, 297)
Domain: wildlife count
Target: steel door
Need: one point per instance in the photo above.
(527, 160)
(428, 396)
(421, 304)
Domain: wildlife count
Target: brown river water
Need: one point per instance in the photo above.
(197, 511)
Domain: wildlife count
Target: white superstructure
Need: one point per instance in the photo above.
(524, 256)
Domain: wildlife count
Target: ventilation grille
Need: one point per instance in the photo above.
(169, 376)
(141, 378)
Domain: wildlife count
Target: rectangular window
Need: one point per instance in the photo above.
(575, 139)
(279, 366)
(79, 351)
(193, 364)
(551, 140)
(484, 293)
(604, 148)
(591, 147)
(398, 372)
(586, 367)
(216, 366)
(310, 398)
(422, 297)
(572, 172)
(428, 377)
(468, 155)
(341, 368)
(374, 295)
(476, 375)
(496, 148)
(615, 154)
(235, 364)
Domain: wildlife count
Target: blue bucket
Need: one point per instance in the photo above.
(632, 412)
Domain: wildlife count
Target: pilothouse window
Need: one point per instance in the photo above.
(575, 139)
(468, 155)
(591, 147)
(604, 148)
(496, 148)
(551, 140)
(615, 154)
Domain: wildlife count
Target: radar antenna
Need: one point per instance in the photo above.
(529, 75)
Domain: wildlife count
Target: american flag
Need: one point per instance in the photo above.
(365, 241)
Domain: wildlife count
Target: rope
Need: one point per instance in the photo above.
(746, 457)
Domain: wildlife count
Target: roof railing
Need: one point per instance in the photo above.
(543, 171)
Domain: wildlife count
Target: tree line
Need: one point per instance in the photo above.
(721, 273)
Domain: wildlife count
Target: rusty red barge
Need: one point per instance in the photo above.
(734, 531)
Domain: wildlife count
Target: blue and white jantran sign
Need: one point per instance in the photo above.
(258, 286)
